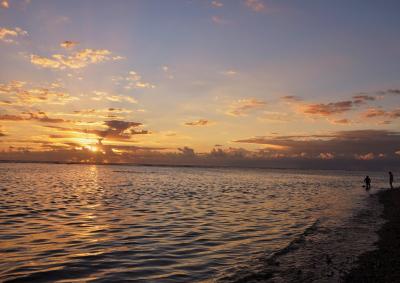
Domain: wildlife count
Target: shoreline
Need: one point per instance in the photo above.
(382, 264)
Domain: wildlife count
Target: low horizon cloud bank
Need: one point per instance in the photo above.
(357, 150)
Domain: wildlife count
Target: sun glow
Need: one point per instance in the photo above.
(93, 148)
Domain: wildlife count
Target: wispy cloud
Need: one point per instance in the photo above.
(242, 107)
(217, 4)
(229, 72)
(200, 122)
(76, 60)
(166, 69)
(291, 98)
(378, 112)
(8, 34)
(134, 80)
(219, 20)
(328, 108)
(102, 95)
(255, 5)
(343, 121)
(21, 93)
(29, 116)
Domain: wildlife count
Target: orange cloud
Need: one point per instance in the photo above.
(76, 60)
(367, 156)
(101, 95)
(328, 109)
(7, 35)
(376, 112)
(341, 121)
(5, 4)
(243, 106)
(135, 81)
(19, 93)
(326, 155)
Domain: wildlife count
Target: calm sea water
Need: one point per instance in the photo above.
(64, 223)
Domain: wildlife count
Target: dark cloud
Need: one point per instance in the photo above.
(27, 116)
(392, 91)
(329, 108)
(378, 112)
(200, 122)
(343, 144)
(119, 130)
(116, 130)
(361, 99)
(291, 98)
(187, 151)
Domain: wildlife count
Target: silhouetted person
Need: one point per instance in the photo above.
(367, 181)
(391, 180)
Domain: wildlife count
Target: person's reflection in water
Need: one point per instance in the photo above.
(367, 181)
(391, 180)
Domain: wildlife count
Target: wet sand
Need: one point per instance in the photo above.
(383, 264)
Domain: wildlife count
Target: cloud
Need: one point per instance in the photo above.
(367, 156)
(68, 44)
(255, 5)
(167, 71)
(393, 91)
(291, 98)
(360, 99)
(341, 121)
(229, 72)
(187, 151)
(29, 116)
(110, 112)
(9, 35)
(326, 155)
(243, 106)
(219, 20)
(101, 95)
(5, 4)
(342, 144)
(328, 109)
(117, 130)
(377, 112)
(275, 116)
(76, 60)
(340, 150)
(217, 4)
(135, 81)
(21, 93)
(200, 122)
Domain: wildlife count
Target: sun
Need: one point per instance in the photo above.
(93, 148)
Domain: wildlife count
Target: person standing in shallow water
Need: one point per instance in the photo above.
(367, 181)
(391, 180)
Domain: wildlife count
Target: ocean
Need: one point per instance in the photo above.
(99, 223)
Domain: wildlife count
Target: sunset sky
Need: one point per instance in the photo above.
(182, 82)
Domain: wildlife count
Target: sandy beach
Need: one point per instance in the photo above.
(383, 264)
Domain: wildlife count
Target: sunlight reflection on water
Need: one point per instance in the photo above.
(115, 223)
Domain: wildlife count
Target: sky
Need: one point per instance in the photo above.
(201, 82)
